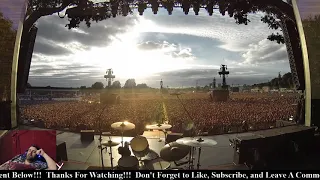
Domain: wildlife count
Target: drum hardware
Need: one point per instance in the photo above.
(196, 142)
(159, 127)
(100, 135)
(123, 126)
(128, 163)
(110, 144)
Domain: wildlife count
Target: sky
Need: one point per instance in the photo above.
(181, 50)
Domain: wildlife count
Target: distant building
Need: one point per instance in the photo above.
(255, 90)
(265, 89)
(235, 89)
(50, 93)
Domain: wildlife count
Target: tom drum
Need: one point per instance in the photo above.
(139, 146)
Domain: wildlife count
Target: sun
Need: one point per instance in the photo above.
(126, 59)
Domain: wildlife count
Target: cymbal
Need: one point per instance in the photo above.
(110, 144)
(197, 142)
(158, 126)
(123, 126)
(174, 151)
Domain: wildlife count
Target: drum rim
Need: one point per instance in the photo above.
(139, 143)
(122, 159)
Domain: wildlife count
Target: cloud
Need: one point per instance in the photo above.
(47, 48)
(99, 34)
(238, 75)
(187, 48)
(235, 38)
(265, 51)
(175, 50)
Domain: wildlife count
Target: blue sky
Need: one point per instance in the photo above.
(179, 49)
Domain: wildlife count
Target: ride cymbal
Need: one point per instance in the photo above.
(174, 151)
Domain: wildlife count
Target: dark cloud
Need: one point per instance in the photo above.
(99, 34)
(241, 73)
(75, 69)
(50, 49)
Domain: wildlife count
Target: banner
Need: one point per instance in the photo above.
(171, 175)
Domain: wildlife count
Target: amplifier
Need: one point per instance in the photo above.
(273, 146)
(62, 154)
(87, 135)
(171, 137)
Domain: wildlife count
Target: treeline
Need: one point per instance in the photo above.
(129, 84)
(285, 81)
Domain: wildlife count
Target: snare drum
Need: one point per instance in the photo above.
(139, 146)
(158, 164)
(128, 163)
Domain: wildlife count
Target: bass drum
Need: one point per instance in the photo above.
(128, 163)
(157, 164)
(140, 146)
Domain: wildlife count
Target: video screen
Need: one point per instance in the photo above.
(28, 150)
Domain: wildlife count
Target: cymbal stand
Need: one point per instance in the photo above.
(199, 155)
(101, 150)
(122, 132)
(110, 154)
(159, 130)
(191, 158)
(100, 137)
(159, 135)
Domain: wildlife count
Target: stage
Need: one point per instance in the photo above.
(82, 156)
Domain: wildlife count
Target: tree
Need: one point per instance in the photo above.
(7, 41)
(142, 86)
(83, 87)
(130, 83)
(97, 85)
(85, 10)
(116, 85)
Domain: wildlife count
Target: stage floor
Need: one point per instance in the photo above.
(84, 155)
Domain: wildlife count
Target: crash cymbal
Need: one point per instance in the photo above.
(159, 126)
(197, 142)
(110, 144)
(174, 151)
(123, 126)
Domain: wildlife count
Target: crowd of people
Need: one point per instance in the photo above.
(258, 110)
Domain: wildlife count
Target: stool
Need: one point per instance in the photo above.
(173, 137)
(87, 135)
(61, 151)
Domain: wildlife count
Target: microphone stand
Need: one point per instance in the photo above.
(100, 136)
(191, 156)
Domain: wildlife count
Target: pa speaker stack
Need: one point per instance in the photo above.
(272, 146)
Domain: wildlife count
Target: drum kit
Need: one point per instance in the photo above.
(144, 158)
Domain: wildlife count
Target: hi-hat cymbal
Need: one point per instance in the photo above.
(110, 144)
(123, 126)
(174, 151)
(159, 126)
(197, 142)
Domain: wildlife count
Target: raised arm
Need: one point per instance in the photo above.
(51, 163)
